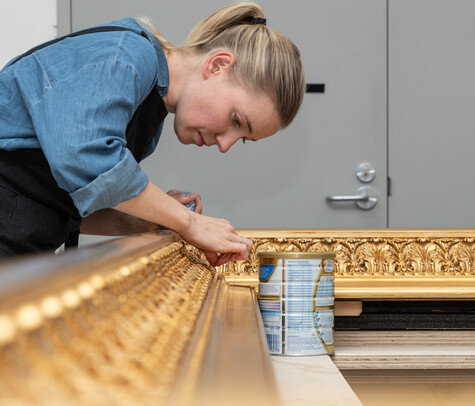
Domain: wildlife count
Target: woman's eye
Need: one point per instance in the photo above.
(236, 121)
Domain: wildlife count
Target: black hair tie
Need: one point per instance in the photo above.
(258, 20)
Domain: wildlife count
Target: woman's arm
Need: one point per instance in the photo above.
(114, 223)
(214, 236)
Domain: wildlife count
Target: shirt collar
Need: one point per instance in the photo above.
(163, 77)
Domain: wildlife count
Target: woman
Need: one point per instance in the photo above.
(77, 115)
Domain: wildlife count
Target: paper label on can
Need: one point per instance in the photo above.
(296, 297)
(327, 265)
(269, 289)
(298, 304)
(326, 335)
(324, 301)
(265, 271)
(269, 305)
(271, 318)
(324, 289)
(272, 324)
(324, 320)
(274, 340)
(303, 342)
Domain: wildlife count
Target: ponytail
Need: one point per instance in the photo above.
(232, 15)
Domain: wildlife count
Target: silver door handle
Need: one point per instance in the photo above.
(366, 198)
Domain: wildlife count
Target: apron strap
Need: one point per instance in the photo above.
(73, 240)
(106, 28)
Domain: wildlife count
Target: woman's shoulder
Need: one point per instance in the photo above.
(128, 47)
(138, 48)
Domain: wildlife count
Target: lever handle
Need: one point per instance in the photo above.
(366, 198)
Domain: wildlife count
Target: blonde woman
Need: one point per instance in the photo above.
(78, 114)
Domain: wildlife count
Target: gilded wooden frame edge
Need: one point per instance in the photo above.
(376, 263)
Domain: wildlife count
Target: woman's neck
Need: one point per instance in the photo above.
(180, 70)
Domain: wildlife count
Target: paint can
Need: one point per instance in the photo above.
(296, 299)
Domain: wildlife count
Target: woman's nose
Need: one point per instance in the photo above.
(225, 141)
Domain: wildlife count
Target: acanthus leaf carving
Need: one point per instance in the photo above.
(373, 257)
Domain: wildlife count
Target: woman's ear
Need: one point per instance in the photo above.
(218, 63)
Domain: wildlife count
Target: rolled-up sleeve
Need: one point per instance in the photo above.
(80, 124)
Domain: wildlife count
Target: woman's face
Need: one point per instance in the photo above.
(215, 111)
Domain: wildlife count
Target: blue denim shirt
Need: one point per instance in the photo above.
(74, 99)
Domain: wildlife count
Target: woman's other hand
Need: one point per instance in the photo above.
(186, 198)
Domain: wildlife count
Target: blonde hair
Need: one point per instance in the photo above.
(265, 60)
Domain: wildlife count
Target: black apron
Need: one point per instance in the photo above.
(35, 213)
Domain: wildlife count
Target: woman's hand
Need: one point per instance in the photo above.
(185, 198)
(216, 237)
(218, 240)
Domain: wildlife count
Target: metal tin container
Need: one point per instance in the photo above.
(296, 298)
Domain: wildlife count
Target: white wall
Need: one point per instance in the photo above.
(24, 24)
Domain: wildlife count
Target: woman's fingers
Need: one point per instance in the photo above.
(182, 197)
(218, 240)
(217, 260)
(241, 252)
(174, 193)
(212, 257)
(246, 241)
(187, 197)
(222, 259)
(198, 204)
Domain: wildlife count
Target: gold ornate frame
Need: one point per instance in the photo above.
(377, 263)
(139, 320)
(145, 319)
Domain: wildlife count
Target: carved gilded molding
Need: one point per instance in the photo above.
(145, 321)
(377, 263)
(228, 350)
(113, 337)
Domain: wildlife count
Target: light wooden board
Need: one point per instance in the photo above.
(312, 381)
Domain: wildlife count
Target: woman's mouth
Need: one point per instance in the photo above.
(200, 142)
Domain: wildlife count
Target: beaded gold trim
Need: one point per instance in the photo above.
(115, 338)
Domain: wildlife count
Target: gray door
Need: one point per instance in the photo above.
(283, 181)
(432, 113)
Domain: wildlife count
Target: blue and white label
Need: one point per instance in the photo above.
(296, 298)
(265, 271)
